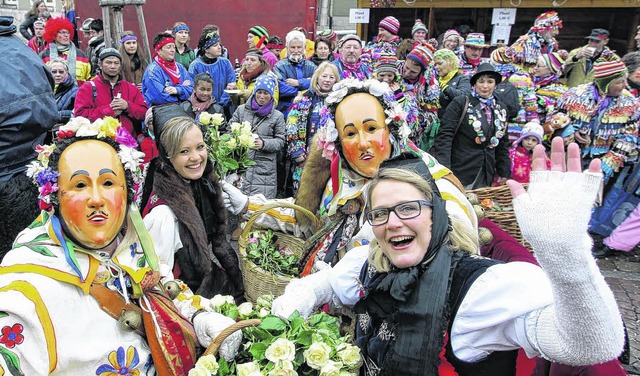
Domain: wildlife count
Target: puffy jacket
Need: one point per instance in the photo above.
(262, 177)
(65, 94)
(301, 71)
(28, 109)
(98, 107)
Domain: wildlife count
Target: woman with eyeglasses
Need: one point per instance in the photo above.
(65, 90)
(421, 291)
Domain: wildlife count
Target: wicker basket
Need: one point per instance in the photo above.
(217, 342)
(506, 220)
(257, 281)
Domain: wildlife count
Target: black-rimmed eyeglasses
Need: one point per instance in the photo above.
(404, 210)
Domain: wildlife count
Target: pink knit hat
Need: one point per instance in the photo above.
(390, 24)
(422, 54)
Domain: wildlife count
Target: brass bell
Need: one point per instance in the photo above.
(130, 320)
(173, 289)
(479, 212)
(484, 235)
(473, 198)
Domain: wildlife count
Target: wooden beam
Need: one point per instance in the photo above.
(143, 32)
(106, 22)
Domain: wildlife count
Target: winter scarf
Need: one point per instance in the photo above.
(198, 105)
(261, 111)
(70, 49)
(352, 70)
(170, 68)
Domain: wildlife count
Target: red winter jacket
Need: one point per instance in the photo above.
(97, 108)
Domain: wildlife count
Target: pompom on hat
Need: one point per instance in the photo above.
(54, 25)
(531, 128)
(419, 26)
(391, 24)
(547, 21)
(422, 54)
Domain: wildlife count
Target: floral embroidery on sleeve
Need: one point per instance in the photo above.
(121, 363)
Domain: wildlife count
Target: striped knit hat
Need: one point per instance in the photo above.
(419, 26)
(390, 24)
(607, 68)
(475, 39)
(387, 62)
(503, 55)
(328, 34)
(262, 34)
(422, 54)
(547, 21)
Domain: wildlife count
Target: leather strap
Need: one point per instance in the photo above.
(114, 304)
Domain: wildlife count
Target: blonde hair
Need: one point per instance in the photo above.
(460, 237)
(173, 133)
(320, 69)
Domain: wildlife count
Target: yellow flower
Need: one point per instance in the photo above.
(217, 119)
(205, 118)
(281, 349)
(232, 144)
(246, 128)
(246, 140)
(108, 127)
(236, 128)
(317, 355)
(350, 355)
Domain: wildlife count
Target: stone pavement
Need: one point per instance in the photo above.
(622, 272)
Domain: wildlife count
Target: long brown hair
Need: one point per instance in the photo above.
(128, 71)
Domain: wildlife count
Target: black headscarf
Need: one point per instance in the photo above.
(413, 300)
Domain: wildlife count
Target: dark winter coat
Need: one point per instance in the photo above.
(459, 85)
(262, 177)
(65, 95)
(456, 148)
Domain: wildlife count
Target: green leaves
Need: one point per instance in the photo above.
(273, 323)
(38, 244)
(265, 253)
(12, 361)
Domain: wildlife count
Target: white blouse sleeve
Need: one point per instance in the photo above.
(492, 316)
(162, 225)
(345, 281)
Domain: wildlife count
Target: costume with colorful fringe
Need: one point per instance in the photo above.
(425, 92)
(611, 122)
(528, 48)
(548, 95)
(372, 51)
(302, 124)
(528, 109)
(466, 67)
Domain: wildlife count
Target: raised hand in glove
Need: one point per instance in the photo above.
(209, 324)
(234, 200)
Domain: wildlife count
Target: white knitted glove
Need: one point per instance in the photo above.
(209, 324)
(234, 200)
(304, 295)
(583, 326)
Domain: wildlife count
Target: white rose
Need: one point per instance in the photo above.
(236, 128)
(217, 119)
(283, 368)
(33, 168)
(281, 349)
(246, 140)
(265, 301)
(317, 355)
(245, 309)
(331, 369)
(350, 355)
(264, 312)
(217, 301)
(246, 369)
(209, 363)
(199, 371)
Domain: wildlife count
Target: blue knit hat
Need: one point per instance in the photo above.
(265, 82)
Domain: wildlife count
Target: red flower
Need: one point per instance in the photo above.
(44, 206)
(397, 118)
(11, 335)
(64, 134)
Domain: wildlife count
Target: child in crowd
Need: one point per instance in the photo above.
(521, 153)
(202, 98)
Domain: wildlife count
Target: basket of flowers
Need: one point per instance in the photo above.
(269, 259)
(275, 346)
(496, 204)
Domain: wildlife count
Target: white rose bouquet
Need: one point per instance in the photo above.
(229, 151)
(290, 347)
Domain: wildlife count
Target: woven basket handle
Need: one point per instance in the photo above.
(217, 342)
(244, 236)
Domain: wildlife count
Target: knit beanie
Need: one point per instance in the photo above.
(261, 33)
(531, 128)
(391, 24)
(328, 34)
(607, 68)
(347, 38)
(265, 82)
(419, 26)
(108, 52)
(503, 55)
(555, 61)
(547, 21)
(422, 54)
(451, 32)
(386, 63)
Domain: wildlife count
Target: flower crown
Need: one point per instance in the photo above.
(396, 120)
(108, 128)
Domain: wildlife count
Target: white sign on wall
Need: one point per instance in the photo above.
(358, 15)
(503, 16)
(500, 35)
